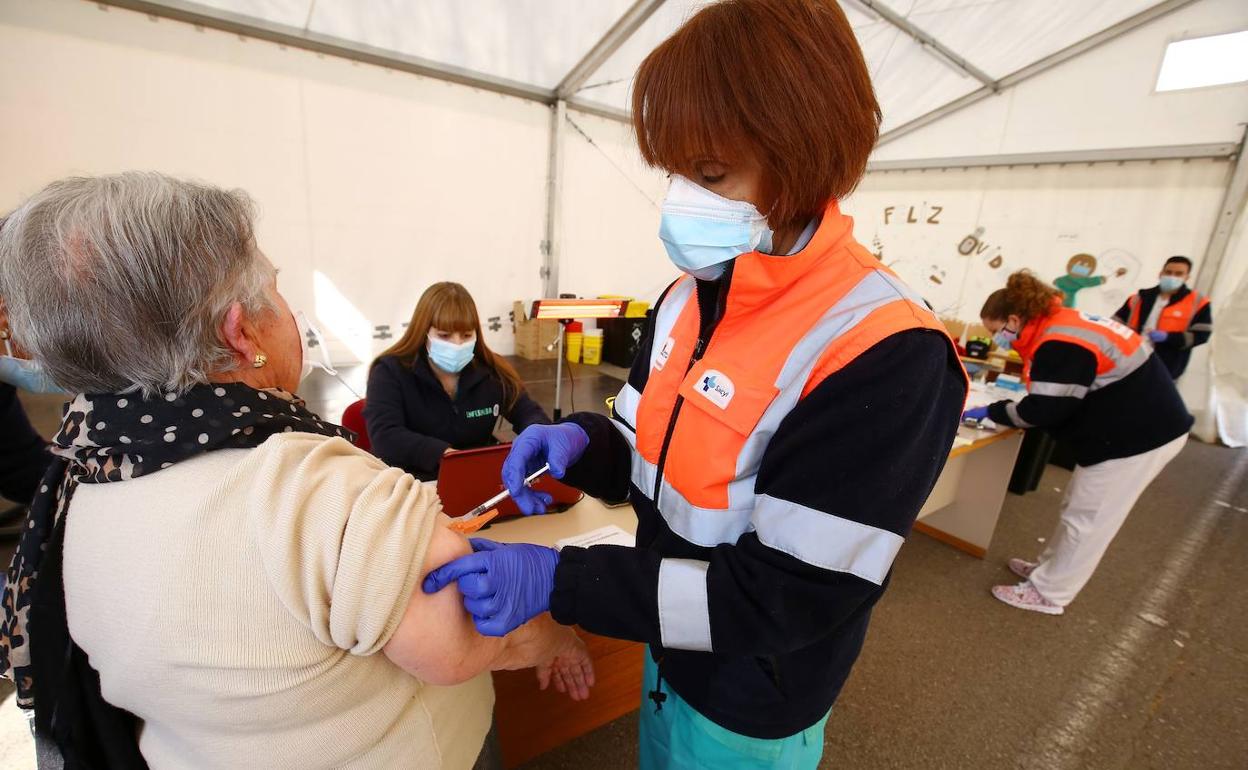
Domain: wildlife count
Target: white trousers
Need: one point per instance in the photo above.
(1096, 504)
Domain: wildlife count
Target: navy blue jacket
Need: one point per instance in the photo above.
(868, 443)
(1139, 413)
(412, 421)
(23, 454)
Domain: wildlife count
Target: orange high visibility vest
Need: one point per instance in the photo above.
(788, 324)
(1174, 318)
(1119, 351)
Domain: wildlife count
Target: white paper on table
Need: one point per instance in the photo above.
(608, 535)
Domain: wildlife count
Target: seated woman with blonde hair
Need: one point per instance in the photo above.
(441, 388)
(212, 575)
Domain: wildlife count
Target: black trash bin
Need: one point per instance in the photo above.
(620, 339)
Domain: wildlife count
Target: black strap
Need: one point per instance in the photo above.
(69, 707)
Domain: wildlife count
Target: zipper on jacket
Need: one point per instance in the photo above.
(699, 349)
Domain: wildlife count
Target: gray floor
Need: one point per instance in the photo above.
(952, 679)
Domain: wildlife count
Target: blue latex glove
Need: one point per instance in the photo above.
(560, 445)
(1157, 336)
(504, 585)
(975, 413)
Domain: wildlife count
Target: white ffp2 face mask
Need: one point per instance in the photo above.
(307, 335)
(703, 232)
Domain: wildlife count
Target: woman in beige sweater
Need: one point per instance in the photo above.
(235, 585)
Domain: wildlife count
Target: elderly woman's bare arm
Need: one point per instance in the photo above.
(437, 643)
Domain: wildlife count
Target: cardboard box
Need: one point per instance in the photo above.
(956, 327)
(532, 337)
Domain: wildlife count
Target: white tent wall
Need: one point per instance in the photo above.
(371, 183)
(1215, 386)
(609, 235)
(954, 235)
(1100, 99)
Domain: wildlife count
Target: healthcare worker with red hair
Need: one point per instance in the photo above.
(790, 408)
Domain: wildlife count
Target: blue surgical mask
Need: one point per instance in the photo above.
(27, 375)
(1170, 283)
(450, 357)
(1004, 339)
(703, 232)
(1082, 270)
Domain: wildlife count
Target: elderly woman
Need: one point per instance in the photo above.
(212, 575)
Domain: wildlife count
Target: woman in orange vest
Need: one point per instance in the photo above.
(1173, 317)
(790, 408)
(1096, 385)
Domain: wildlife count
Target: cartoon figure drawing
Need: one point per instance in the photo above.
(1079, 275)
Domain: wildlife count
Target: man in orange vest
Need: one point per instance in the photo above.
(1173, 317)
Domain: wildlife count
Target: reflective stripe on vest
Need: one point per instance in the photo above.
(1134, 319)
(1119, 351)
(816, 537)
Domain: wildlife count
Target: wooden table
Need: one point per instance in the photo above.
(532, 722)
(964, 506)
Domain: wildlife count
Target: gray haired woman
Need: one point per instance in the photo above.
(235, 585)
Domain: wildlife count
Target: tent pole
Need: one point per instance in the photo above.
(610, 42)
(1035, 68)
(1229, 211)
(939, 50)
(554, 200)
(191, 12)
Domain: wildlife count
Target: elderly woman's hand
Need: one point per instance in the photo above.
(571, 668)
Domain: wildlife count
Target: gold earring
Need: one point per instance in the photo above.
(259, 361)
(4, 334)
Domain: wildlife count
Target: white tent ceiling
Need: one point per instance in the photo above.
(923, 54)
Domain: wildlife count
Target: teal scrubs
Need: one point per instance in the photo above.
(678, 737)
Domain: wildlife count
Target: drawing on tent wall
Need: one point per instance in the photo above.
(1124, 267)
(954, 261)
(1080, 275)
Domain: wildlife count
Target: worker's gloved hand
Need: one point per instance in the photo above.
(1157, 336)
(504, 585)
(975, 413)
(560, 445)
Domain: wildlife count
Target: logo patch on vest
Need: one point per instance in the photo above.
(665, 352)
(483, 412)
(717, 388)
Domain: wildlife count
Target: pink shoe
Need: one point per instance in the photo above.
(1024, 596)
(1021, 568)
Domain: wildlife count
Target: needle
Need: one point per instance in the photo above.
(501, 496)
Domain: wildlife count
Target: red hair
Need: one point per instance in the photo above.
(781, 81)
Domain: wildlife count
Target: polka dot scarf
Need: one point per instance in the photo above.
(103, 439)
